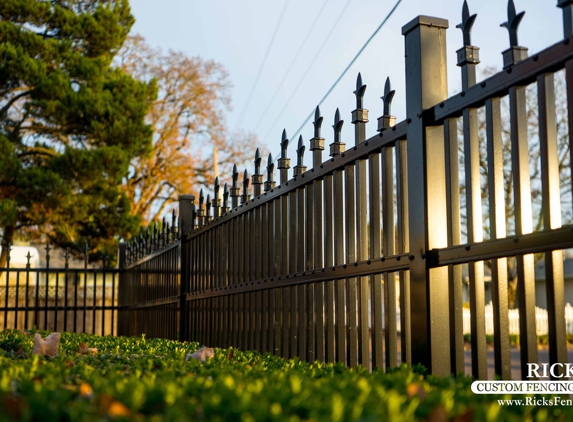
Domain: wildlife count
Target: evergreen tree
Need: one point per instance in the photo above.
(70, 123)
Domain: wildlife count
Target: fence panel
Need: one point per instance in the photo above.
(359, 259)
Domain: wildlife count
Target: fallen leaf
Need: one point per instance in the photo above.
(202, 354)
(230, 354)
(117, 409)
(416, 390)
(82, 348)
(69, 363)
(20, 352)
(48, 346)
(85, 390)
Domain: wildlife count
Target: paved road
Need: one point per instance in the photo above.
(515, 365)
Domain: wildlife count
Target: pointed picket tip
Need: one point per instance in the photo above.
(216, 181)
(225, 189)
(246, 175)
(284, 144)
(387, 86)
(512, 24)
(257, 155)
(208, 198)
(510, 10)
(270, 160)
(316, 114)
(201, 193)
(465, 11)
(359, 82)
(467, 23)
(300, 143)
(235, 170)
(337, 116)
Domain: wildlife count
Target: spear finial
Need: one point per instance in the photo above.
(359, 92)
(245, 196)
(270, 168)
(269, 183)
(235, 176)
(467, 24)
(208, 208)
(300, 151)
(225, 198)
(388, 96)
(513, 21)
(217, 187)
(317, 122)
(337, 126)
(337, 147)
(299, 168)
(284, 144)
(257, 176)
(257, 162)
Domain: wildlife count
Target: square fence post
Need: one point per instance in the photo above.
(186, 220)
(426, 86)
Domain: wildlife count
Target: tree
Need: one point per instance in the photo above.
(70, 124)
(188, 124)
(534, 166)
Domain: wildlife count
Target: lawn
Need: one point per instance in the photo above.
(150, 379)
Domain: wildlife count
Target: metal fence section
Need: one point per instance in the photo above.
(80, 300)
(322, 265)
(149, 292)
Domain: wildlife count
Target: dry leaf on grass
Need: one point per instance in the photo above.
(202, 354)
(112, 407)
(230, 354)
(48, 346)
(84, 349)
(85, 390)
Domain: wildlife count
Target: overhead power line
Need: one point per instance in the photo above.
(311, 64)
(346, 69)
(246, 106)
(293, 61)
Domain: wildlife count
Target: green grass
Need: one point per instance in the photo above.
(149, 379)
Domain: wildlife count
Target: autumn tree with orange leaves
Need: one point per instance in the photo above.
(187, 119)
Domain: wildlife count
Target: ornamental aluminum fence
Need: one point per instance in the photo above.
(321, 265)
(80, 300)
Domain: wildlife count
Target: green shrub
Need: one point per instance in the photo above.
(149, 379)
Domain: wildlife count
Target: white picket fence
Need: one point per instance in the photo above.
(540, 320)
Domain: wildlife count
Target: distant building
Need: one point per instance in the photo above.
(540, 285)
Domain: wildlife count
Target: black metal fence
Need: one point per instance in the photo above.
(59, 299)
(319, 266)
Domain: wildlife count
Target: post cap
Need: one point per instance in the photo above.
(425, 20)
(186, 197)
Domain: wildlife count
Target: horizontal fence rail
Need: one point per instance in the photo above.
(361, 258)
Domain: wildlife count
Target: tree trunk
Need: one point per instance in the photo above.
(511, 291)
(6, 241)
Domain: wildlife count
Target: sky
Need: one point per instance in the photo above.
(314, 41)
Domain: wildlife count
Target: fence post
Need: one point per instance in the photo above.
(426, 86)
(186, 218)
